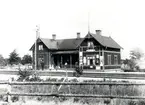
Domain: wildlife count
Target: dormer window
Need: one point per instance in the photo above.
(40, 47)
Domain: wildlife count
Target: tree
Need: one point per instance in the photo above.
(135, 55)
(2, 61)
(27, 59)
(14, 58)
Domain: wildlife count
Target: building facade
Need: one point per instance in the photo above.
(94, 51)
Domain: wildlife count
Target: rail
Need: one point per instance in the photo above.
(71, 83)
(86, 74)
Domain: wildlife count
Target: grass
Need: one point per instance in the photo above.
(67, 102)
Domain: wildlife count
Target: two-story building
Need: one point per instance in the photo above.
(94, 51)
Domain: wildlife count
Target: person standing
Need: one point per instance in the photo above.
(42, 64)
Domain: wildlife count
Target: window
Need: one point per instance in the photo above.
(90, 45)
(40, 47)
(84, 61)
(109, 59)
(115, 59)
(90, 60)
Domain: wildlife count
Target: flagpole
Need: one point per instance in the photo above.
(89, 22)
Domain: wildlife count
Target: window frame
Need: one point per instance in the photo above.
(90, 45)
(40, 47)
(109, 59)
(115, 59)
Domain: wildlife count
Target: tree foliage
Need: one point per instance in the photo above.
(14, 58)
(27, 59)
(2, 61)
(130, 64)
(135, 55)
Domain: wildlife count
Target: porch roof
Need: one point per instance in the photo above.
(65, 52)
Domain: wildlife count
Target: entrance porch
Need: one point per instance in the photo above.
(65, 59)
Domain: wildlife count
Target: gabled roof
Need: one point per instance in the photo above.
(75, 42)
(61, 44)
(51, 44)
(105, 41)
(70, 43)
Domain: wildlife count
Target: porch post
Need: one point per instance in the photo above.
(99, 54)
(70, 61)
(49, 59)
(61, 61)
(57, 60)
(103, 59)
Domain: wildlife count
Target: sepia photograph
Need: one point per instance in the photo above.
(72, 52)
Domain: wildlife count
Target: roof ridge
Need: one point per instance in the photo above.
(61, 39)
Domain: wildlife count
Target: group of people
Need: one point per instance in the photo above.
(78, 71)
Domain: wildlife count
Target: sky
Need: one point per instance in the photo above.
(123, 20)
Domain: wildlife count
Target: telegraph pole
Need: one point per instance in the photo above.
(37, 35)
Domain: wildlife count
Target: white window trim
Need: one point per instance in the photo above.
(41, 47)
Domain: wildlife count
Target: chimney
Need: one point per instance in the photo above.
(53, 36)
(98, 32)
(78, 35)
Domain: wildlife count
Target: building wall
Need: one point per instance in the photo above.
(112, 49)
(113, 65)
(41, 54)
(48, 60)
(87, 55)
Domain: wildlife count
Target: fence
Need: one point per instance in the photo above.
(121, 75)
(110, 84)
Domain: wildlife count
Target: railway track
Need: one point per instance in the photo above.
(87, 74)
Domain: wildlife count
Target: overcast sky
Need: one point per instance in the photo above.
(123, 20)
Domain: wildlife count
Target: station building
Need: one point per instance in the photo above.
(94, 51)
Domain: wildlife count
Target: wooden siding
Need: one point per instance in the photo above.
(113, 65)
(41, 53)
(112, 49)
(48, 60)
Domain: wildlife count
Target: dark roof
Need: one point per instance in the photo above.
(70, 43)
(74, 42)
(51, 44)
(106, 41)
(62, 43)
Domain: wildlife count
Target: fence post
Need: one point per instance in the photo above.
(9, 91)
(111, 100)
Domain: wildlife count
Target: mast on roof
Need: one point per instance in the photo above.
(88, 22)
